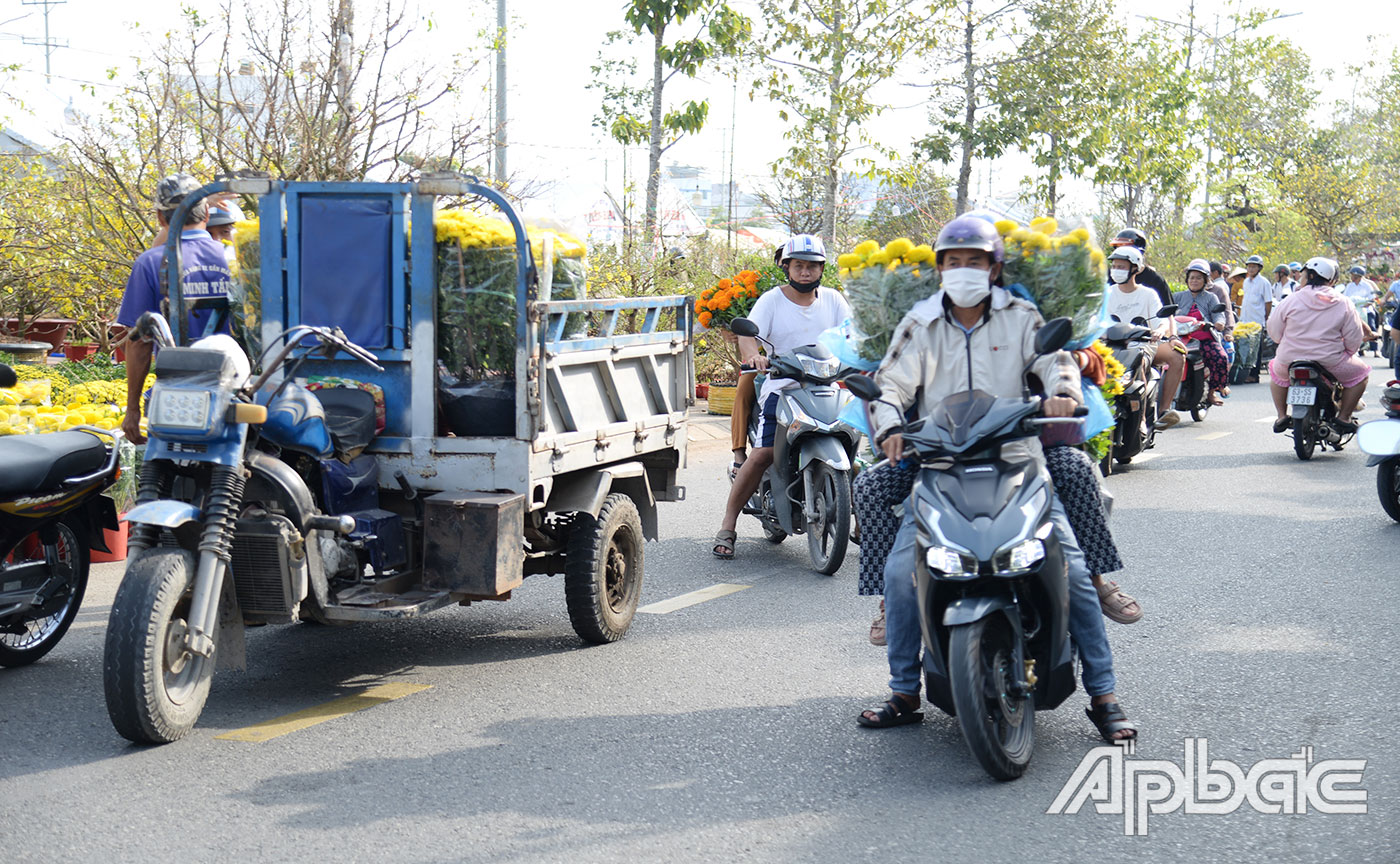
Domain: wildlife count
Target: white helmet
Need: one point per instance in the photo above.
(1323, 267)
(805, 247)
(1131, 254)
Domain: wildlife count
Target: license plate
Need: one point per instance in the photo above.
(1302, 395)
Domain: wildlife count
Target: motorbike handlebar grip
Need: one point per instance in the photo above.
(743, 369)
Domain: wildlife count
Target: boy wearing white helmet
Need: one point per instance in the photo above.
(794, 314)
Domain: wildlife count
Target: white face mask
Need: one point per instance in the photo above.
(1118, 276)
(966, 286)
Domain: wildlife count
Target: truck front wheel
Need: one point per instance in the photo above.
(603, 570)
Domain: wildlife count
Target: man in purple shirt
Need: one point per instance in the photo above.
(205, 275)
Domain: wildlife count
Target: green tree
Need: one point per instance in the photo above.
(1052, 103)
(824, 59)
(1150, 156)
(713, 30)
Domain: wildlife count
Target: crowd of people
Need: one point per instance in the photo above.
(975, 334)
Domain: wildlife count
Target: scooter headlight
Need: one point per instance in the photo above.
(817, 368)
(949, 563)
(1026, 554)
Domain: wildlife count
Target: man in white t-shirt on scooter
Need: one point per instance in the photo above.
(1127, 301)
(793, 314)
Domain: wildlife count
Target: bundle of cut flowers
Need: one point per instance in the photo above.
(728, 299)
(1064, 275)
(882, 284)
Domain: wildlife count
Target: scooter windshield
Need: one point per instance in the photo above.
(965, 418)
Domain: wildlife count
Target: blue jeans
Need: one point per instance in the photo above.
(904, 639)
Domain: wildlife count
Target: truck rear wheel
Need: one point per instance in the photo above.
(603, 570)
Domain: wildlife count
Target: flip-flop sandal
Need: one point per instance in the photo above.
(895, 712)
(1109, 718)
(725, 540)
(1116, 605)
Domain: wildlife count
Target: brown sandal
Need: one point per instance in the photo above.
(877, 627)
(1118, 606)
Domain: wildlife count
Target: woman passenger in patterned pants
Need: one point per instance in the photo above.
(877, 491)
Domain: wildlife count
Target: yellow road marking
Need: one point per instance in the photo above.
(1213, 436)
(297, 720)
(714, 591)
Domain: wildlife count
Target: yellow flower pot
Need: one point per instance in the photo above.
(722, 399)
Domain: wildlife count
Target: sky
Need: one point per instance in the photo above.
(551, 45)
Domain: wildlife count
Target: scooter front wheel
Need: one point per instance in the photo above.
(37, 634)
(998, 725)
(829, 532)
(155, 688)
(1388, 486)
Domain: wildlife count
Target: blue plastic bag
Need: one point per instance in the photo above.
(844, 342)
(1099, 418)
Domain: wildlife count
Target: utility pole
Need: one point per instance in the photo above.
(48, 44)
(344, 50)
(500, 92)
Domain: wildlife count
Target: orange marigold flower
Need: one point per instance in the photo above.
(705, 318)
(725, 284)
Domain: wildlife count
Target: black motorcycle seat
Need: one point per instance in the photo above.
(349, 417)
(1121, 333)
(39, 463)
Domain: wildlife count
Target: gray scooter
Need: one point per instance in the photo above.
(991, 577)
(807, 490)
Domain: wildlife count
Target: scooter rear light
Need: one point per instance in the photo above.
(1302, 374)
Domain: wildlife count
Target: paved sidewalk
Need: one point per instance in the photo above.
(704, 426)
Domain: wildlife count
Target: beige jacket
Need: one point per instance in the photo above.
(931, 358)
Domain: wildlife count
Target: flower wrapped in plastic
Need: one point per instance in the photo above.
(1064, 275)
(882, 284)
(245, 300)
(476, 267)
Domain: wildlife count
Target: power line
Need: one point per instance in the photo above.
(48, 44)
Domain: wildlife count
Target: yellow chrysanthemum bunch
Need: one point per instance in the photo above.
(896, 253)
(475, 231)
(1248, 328)
(1113, 370)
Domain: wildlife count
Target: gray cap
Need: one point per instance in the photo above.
(171, 190)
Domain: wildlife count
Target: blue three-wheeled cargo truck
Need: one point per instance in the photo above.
(342, 475)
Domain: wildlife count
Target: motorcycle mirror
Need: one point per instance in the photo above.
(1053, 336)
(743, 327)
(1379, 438)
(8, 378)
(1166, 311)
(863, 386)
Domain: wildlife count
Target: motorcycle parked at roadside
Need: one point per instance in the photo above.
(807, 490)
(52, 512)
(212, 505)
(1137, 408)
(1313, 396)
(1194, 393)
(1380, 441)
(991, 577)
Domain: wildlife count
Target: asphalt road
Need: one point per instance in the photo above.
(724, 731)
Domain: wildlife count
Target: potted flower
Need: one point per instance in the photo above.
(715, 308)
